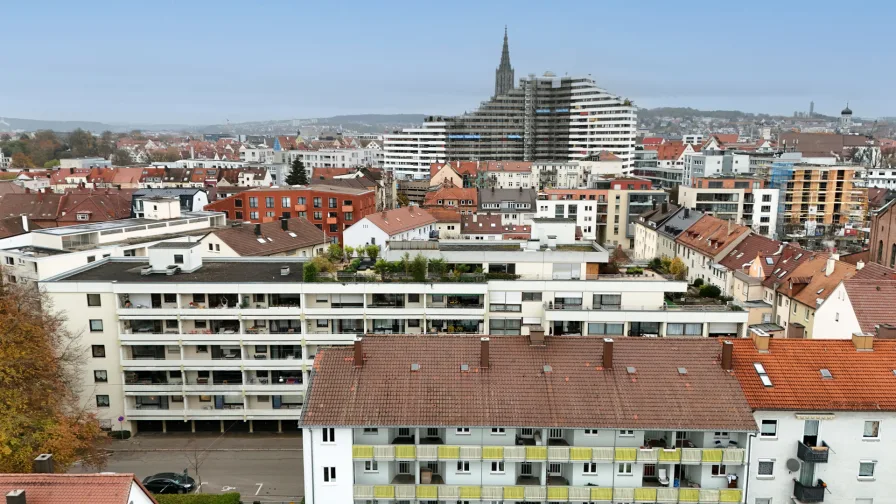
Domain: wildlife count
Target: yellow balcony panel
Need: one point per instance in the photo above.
(712, 456)
(427, 492)
(514, 492)
(383, 492)
(558, 493)
(626, 454)
(669, 455)
(492, 493)
(362, 452)
(449, 452)
(470, 492)
(580, 454)
(601, 494)
(688, 495)
(493, 452)
(645, 495)
(405, 452)
(536, 453)
(729, 495)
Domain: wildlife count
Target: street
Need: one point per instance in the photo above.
(266, 468)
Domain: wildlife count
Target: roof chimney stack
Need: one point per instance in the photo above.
(284, 223)
(727, 355)
(860, 265)
(886, 331)
(359, 352)
(16, 497)
(687, 213)
(43, 463)
(258, 230)
(608, 353)
(829, 266)
(536, 337)
(863, 341)
(483, 353)
(760, 340)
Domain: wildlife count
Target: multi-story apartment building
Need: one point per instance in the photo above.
(332, 158)
(516, 206)
(823, 409)
(646, 235)
(744, 201)
(672, 228)
(179, 341)
(647, 165)
(587, 207)
(817, 197)
(508, 175)
(704, 244)
(709, 163)
(537, 419)
(625, 204)
(409, 153)
(330, 208)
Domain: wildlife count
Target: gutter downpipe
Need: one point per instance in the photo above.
(750, 438)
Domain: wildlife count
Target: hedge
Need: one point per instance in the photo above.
(227, 498)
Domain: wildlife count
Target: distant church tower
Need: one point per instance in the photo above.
(504, 73)
(845, 119)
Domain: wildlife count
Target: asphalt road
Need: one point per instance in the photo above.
(263, 475)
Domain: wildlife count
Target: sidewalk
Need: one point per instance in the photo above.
(208, 442)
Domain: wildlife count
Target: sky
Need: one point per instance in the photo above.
(198, 62)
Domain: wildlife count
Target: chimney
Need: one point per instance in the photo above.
(653, 205)
(27, 191)
(727, 354)
(15, 497)
(863, 341)
(384, 215)
(886, 331)
(760, 340)
(359, 352)
(474, 217)
(608, 353)
(284, 223)
(687, 213)
(258, 230)
(829, 266)
(860, 265)
(536, 337)
(665, 207)
(483, 353)
(43, 463)
(729, 227)
(25, 222)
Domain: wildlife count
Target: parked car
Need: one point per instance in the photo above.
(169, 483)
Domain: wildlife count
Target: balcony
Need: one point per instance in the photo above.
(348, 208)
(803, 493)
(815, 454)
(552, 493)
(332, 220)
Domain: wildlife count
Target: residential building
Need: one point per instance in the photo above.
(286, 237)
(881, 177)
(625, 204)
(806, 293)
(647, 166)
(646, 236)
(462, 173)
(389, 440)
(191, 200)
(704, 244)
(587, 207)
(84, 162)
(672, 228)
(692, 138)
(331, 208)
(861, 304)
(559, 175)
(844, 148)
(409, 153)
(741, 200)
(489, 227)
(822, 428)
(413, 190)
(333, 158)
(107, 488)
(407, 223)
(447, 222)
(73, 207)
(742, 258)
(449, 195)
(508, 174)
(363, 178)
(709, 163)
(516, 206)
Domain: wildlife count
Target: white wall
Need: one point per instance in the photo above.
(362, 233)
(317, 456)
(137, 495)
(835, 318)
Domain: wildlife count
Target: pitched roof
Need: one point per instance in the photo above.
(670, 151)
(518, 195)
(243, 241)
(872, 302)
(786, 262)
(515, 390)
(747, 250)
(725, 138)
(657, 215)
(72, 488)
(808, 282)
(652, 140)
(677, 223)
(442, 214)
(400, 220)
(450, 193)
(862, 380)
(508, 166)
(490, 224)
(710, 235)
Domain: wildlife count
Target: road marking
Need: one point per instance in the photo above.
(227, 488)
(259, 488)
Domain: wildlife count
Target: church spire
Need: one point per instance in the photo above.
(504, 73)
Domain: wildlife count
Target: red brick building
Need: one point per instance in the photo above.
(331, 209)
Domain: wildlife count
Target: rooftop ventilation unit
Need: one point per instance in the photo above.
(146, 270)
(172, 269)
(284, 270)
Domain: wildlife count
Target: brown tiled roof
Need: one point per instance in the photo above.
(872, 302)
(854, 258)
(72, 488)
(508, 166)
(515, 390)
(725, 138)
(491, 224)
(243, 241)
(710, 235)
(862, 381)
(450, 194)
(445, 214)
(808, 282)
(401, 219)
(786, 262)
(747, 250)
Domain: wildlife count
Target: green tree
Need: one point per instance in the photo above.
(382, 268)
(418, 268)
(21, 160)
(403, 199)
(297, 174)
(51, 163)
(349, 251)
(335, 253)
(106, 145)
(678, 269)
(438, 267)
(309, 272)
(405, 262)
(82, 143)
(373, 251)
(122, 157)
(323, 264)
(710, 291)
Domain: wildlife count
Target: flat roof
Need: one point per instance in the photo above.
(234, 270)
(120, 224)
(175, 245)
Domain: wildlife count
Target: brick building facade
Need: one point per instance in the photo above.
(883, 236)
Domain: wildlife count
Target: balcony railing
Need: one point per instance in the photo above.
(805, 493)
(550, 493)
(816, 454)
(678, 308)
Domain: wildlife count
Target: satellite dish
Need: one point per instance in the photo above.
(793, 465)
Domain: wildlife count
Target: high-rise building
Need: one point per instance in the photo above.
(811, 109)
(504, 72)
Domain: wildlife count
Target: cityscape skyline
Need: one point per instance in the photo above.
(148, 78)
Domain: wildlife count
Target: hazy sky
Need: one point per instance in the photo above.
(197, 62)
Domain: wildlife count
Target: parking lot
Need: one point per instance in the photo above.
(266, 468)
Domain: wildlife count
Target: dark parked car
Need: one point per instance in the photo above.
(169, 483)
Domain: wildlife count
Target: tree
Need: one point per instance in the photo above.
(678, 269)
(438, 267)
(403, 199)
(373, 251)
(21, 160)
(41, 410)
(122, 157)
(382, 268)
(82, 143)
(309, 272)
(710, 291)
(297, 174)
(322, 264)
(335, 253)
(405, 262)
(52, 163)
(418, 268)
(349, 252)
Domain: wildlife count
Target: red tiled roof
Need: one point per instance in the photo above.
(862, 381)
(490, 224)
(330, 172)
(243, 241)
(747, 250)
(652, 140)
(450, 193)
(710, 235)
(515, 390)
(508, 166)
(670, 151)
(400, 220)
(808, 282)
(786, 262)
(725, 138)
(461, 167)
(442, 214)
(72, 488)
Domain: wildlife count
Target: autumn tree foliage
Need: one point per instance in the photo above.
(41, 410)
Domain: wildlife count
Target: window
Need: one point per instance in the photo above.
(91, 259)
(531, 296)
(498, 467)
(318, 215)
(371, 430)
(348, 216)
(253, 202)
(269, 202)
(238, 203)
(329, 474)
(301, 200)
(601, 328)
(624, 469)
(627, 433)
(178, 259)
(329, 435)
(413, 298)
(93, 300)
(316, 202)
(371, 466)
(102, 401)
(100, 376)
(866, 468)
(872, 430)
(463, 466)
(592, 432)
(718, 470)
(463, 431)
(96, 325)
(284, 202)
(334, 228)
(332, 203)
(766, 467)
(253, 215)
(590, 468)
(98, 351)
(498, 431)
(769, 428)
(10, 261)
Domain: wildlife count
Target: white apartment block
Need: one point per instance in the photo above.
(884, 178)
(333, 158)
(559, 175)
(409, 153)
(711, 163)
(510, 179)
(746, 204)
(84, 162)
(259, 154)
(600, 121)
(484, 440)
(692, 138)
(588, 215)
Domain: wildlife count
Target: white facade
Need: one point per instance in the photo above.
(583, 211)
(600, 121)
(710, 163)
(95, 162)
(692, 138)
(559, 175)
(334, 158)
(512, 179)
(884, 178)
(409, 153)
(646, 241)
(259, 154)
